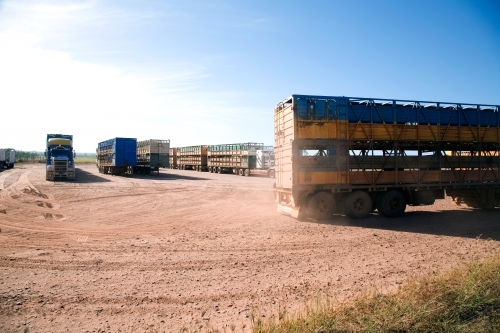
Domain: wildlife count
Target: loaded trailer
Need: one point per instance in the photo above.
(152, 155)
(192, 158)
(59, 157)
(7, 158)
(337, 154)
(242, 159)
(117, 155)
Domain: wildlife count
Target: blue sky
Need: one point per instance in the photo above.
(210, 72)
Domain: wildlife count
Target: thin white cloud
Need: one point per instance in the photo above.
(46, 89)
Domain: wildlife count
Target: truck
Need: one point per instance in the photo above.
(172, 158)
(265, 161)
(152, 155)
(59, 157)
(9, 162)
(242, 159)
(351, 155)
(192, 158)
(117, 156)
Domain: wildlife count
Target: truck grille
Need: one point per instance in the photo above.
(60, 166)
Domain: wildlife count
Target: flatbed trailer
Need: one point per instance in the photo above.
(354, 155)
(192, 158)
(152, 155)
(117, 156)
(242, 159)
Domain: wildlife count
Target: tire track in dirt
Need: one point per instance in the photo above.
(23, 196)
(186, 250)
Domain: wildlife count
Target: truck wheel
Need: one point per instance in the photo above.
(240, 172)
(219, 170)
(358, 204)
(392, 204)
(247, 173)
(321, 206)
(271, 173)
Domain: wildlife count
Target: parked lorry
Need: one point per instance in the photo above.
(7, 158)
(117, 155)
(354, 155)
(152, 155)
(172, 158)
(242, 159)
(59, 157)
(265, 161)
(192, 158)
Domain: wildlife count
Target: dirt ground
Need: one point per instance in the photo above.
(193, 250)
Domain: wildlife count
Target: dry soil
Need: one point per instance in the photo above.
(200, 251)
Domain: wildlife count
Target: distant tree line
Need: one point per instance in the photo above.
(25, 155)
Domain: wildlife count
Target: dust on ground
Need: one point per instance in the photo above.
(200, 251)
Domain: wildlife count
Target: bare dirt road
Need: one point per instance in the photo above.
(198, 250)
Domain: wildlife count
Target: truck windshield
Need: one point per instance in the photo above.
(60, 153)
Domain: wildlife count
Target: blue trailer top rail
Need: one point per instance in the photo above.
(386, 111)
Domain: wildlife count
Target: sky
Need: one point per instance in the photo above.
(211, 72)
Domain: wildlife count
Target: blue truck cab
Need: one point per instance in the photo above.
(59, 157)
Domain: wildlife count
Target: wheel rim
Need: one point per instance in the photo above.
(321, 206)
(394, 203)
(358, 205)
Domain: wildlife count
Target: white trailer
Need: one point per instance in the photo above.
(7, 162)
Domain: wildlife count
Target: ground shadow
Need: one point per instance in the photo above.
(164, 176)
(84, 177)
(470, 223)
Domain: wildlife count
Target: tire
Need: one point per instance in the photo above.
(358, 204)
(219, 170)
(321, 206)
(392, 204)
(270, 174)
(240, 172)
(247, 173)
